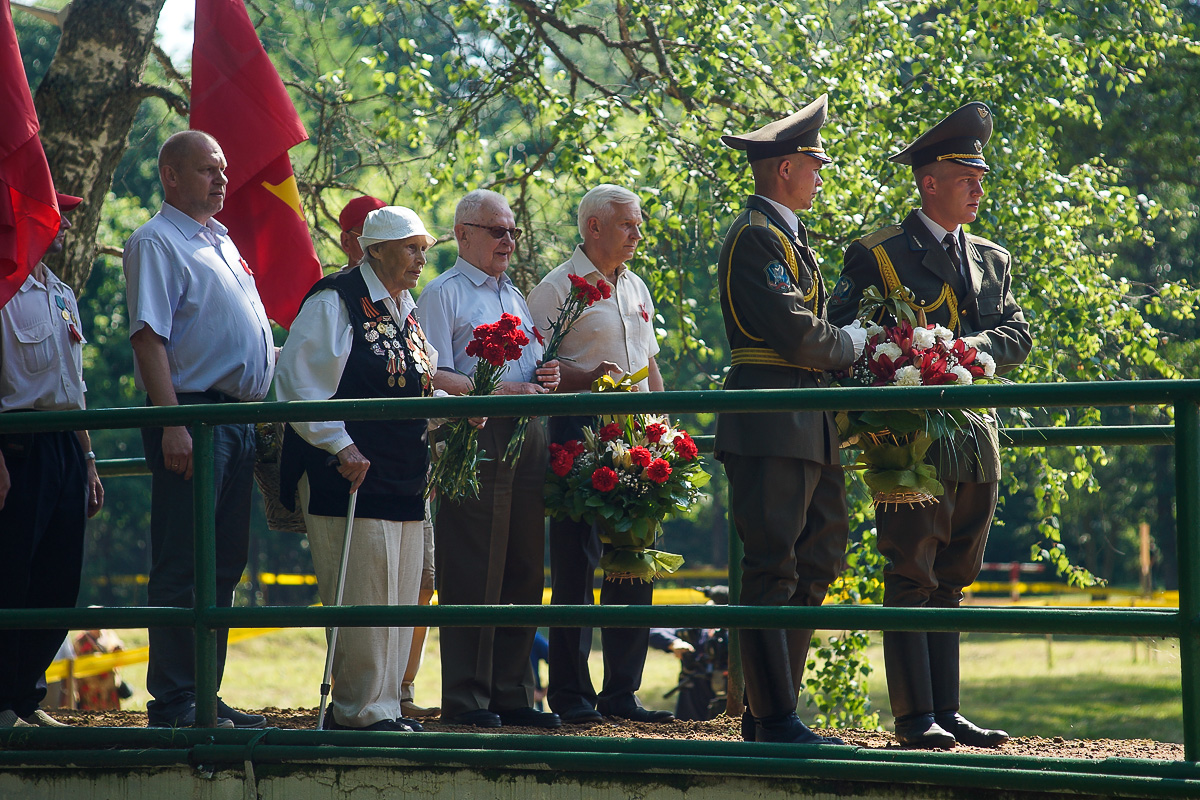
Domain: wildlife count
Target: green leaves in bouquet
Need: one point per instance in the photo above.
(899, 304)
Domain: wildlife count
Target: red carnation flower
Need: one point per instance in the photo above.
(561, 463)
(640, 456)
(658, 471)
(656, 431)
(685, 447)
(610, 431)
(605, 288)
(605, 480)
(574, 447)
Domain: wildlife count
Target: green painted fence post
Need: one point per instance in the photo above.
(205, 542)
(1187, 514)
(735, 702)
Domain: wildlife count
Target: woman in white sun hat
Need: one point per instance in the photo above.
(356, 337)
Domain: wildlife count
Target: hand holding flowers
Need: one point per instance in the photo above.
(455, 468)
(894, 443)
(581, 296)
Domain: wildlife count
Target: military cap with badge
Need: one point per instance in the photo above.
(795, 133)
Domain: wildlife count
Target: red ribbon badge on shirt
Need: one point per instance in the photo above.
(246, 267)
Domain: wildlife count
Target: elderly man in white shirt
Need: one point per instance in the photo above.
(200, 335)
(613, 335)
(489, 549)
(355, 337)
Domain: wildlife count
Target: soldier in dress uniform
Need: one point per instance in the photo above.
(963, 282)
(787, 489)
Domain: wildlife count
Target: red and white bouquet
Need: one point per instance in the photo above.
(626, 476)
(894, 443)
(581, 296)
(456, 457)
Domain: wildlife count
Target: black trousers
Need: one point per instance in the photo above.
(490, 551)
(171, 672)
(791, 517)
(575, 551)
(41, 554)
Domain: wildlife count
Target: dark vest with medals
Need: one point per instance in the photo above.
(387, 359)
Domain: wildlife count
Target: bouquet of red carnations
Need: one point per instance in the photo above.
(456, 457)
(581, 296)
(894, 443)
(626, 477)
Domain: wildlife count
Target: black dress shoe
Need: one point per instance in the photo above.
(968, 732)
(479, 717)
(584, 715)
(922, 732)
(639, 714)
(184, 719)
(530, 718)
(789, 729)
(240, 719)
(400, 725)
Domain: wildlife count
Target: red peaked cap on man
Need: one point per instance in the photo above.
(29, 220)
(67, 202)
(355, 212)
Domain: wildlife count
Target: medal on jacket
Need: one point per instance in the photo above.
(381, 333)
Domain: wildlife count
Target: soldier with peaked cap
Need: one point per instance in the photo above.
(786, 486)
(963, 282)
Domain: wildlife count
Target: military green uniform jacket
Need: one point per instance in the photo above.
(773, 302)
(985, 314)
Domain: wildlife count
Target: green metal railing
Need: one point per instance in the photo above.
(205, 617)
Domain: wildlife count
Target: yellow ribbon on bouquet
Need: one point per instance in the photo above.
(607, 383)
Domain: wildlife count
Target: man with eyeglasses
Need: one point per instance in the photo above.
(490, 549)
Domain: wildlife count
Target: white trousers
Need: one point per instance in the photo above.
(383, 568)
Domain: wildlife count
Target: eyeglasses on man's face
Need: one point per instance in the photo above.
(498, 231)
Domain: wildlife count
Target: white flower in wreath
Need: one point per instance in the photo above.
(943, 334)
(908, 376)
(923, 338)
(889, 349)
(987, 362)
(873, 330)
(963, 375)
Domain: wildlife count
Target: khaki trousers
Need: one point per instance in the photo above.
(383, 568)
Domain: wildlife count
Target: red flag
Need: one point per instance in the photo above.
(29, 217)
(238, 97)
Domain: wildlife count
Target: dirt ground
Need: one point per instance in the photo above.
(720, 729)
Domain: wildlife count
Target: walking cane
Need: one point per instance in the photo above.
(333, 635)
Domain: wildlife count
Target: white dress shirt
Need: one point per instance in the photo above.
(189, 284)
(788, 215)
(619, 329)
(41, 348)
(463, 297)
(317, 348)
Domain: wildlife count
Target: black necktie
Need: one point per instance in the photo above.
(952, 251)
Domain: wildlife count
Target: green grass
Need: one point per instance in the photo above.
(1077, 688)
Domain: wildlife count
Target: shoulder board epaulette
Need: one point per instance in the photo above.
(871, 240)
(979, 241)
(759, 220)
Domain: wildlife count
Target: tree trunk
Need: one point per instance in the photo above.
(86, 105)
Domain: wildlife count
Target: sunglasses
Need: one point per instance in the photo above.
(498, 231)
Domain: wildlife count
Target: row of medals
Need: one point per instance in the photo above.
(382, 335)
(68, 315)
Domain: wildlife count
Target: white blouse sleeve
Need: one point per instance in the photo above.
(311, 365)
